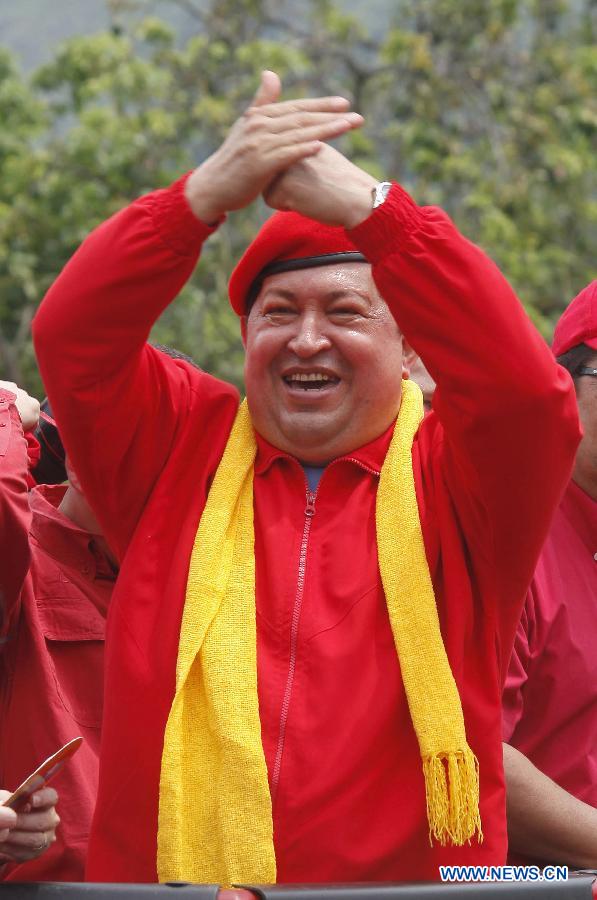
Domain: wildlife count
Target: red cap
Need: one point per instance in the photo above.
(288, 237)
(578, 324)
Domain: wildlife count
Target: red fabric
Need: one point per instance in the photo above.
(146, 433)
(578, 323)
(285, 235)
(56, 589)
(33, 456)
(554, 655)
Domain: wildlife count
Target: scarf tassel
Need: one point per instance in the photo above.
(452, 792)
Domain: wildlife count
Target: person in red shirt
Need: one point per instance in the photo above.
(56, 584)
(550, 698)
(25, 834)
(325, 360)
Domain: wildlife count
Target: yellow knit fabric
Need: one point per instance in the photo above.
(215, 816)
(449, 765)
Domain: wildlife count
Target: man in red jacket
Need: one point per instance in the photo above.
(26, 835)
(56, 583)
(550, 696)
(325, 360)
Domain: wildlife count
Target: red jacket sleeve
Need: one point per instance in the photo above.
(508, 418)
(118, 401)
(517, 675)
(15, 516)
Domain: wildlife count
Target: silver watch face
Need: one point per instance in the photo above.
(380, 192)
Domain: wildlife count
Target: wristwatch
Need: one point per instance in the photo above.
(380, 192)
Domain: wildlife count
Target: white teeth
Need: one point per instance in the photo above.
(311, 376)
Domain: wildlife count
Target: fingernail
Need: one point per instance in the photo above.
(354, 118)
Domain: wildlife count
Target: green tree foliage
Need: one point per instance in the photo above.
(494, 120)
(485, 107)
(23, 120)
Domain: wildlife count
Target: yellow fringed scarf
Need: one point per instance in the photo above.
(215, 815)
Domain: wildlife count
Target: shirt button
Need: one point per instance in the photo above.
(3, 424)
(595, 556)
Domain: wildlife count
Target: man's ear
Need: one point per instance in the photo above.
(419, 374)
(409, 358)
(243, 330)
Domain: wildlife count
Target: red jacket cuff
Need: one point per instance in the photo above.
(175, 221)
(388, 227)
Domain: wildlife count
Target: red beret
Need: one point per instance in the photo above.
(578, 324)
(287, 241)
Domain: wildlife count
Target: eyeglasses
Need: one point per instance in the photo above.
(586, 370)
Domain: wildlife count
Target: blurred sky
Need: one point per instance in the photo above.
(32, 28)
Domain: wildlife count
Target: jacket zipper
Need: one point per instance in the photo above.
(296, 615)
(361, 465)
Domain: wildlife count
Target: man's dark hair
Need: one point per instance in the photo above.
(50, 468)
(175, 354)
(575, 358)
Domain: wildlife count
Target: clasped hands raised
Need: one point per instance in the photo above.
(277, 149)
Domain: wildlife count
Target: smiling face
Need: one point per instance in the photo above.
(324, 366)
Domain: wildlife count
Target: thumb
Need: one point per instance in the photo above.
(8, 817)
(269, 90)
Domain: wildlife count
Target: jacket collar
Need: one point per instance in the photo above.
(70, 545)
(370, 456)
